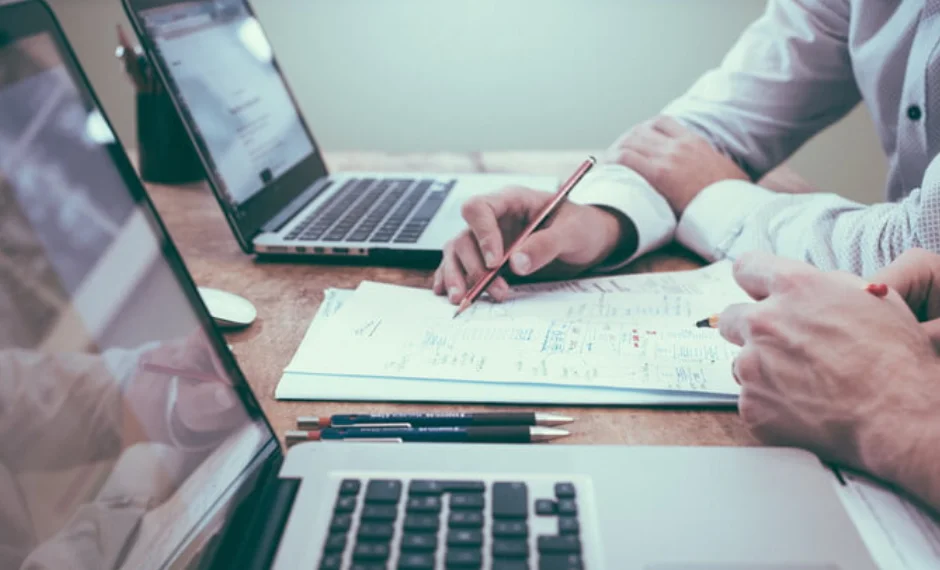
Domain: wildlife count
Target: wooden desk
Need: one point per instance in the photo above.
(288, 294)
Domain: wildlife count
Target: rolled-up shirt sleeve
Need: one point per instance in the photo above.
(824, 229)
(787, 77)
(621, 189)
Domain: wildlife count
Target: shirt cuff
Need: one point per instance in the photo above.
(617, 187)
(715, 217)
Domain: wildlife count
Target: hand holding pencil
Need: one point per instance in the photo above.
(575, 237)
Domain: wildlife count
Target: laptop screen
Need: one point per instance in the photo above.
(124, 428)
(223, 70)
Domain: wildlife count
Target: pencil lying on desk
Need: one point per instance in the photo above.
(879, 290)
(469, 434)
(536, 222)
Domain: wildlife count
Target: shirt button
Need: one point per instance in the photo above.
(914, 113)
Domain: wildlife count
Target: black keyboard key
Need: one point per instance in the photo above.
(545, 507)
(568, 525)
(566, 544)
(331, 562)
(430, 206)
(374, 551)
(567, 507)
(416, 561)
(335, 543)
(379, 513)
(510, 564)
(423, 542)
(555, 562)
(510, 529)
(463, 558)
(565, 491)
(510, 500)
(368, 566)
(346, 504)
(381, 238)
(340, 523)
(421, 523)
(376, 531)
(465, 519)
(464, 537)
(510, 549)
(471, 501)
(402, 238)
(349, 487)
(429, 487)
(383, 491)
(425, 504)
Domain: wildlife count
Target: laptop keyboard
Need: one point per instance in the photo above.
(388, 524)
(377, 211)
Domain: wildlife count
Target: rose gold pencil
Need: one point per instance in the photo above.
(536, 222)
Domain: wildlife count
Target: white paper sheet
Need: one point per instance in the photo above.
(302, 386)
(567, 336)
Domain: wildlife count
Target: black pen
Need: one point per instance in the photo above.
(458, 419)
(485, 434)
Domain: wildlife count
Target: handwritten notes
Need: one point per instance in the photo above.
(630, 332)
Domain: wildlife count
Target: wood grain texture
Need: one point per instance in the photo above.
(287, 296)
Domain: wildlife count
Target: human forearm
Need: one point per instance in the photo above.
(900, 443)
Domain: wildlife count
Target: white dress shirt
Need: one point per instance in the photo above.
(799, 68)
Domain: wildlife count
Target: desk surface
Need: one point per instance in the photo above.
(288, 294)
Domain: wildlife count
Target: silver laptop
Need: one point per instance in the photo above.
(262, 160)
(129, 438)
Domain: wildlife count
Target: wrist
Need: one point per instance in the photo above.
(621, 237)
(900, 443)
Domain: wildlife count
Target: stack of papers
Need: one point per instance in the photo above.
(611, 340)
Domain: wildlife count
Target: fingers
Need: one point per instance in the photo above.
(483, 214)
(915, 275)
(761, 273)
(668, 126)
(932, 328)
(540, 249)
(733, 322)
(462, 266)
(454, 282)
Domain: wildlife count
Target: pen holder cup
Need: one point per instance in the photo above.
(166, 152)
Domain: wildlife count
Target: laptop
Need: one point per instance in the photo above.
(263, 162)
(129, 438)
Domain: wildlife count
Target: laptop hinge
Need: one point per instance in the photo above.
(263, 534)
(288, 212)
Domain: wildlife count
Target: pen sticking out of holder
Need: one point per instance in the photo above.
(165, 151)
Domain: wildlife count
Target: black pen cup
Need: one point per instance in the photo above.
(167, 155)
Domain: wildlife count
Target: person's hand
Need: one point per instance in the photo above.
(829, 367)
(675, 161)
(915, 275)
(575, 238)
(180, 393)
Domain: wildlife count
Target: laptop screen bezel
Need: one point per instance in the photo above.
(249, 218)
(21, 19)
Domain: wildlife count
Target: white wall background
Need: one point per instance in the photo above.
(461, 75)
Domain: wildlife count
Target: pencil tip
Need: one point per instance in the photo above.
(703, 324)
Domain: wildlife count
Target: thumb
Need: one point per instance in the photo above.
(540, 249)
(932, 328)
